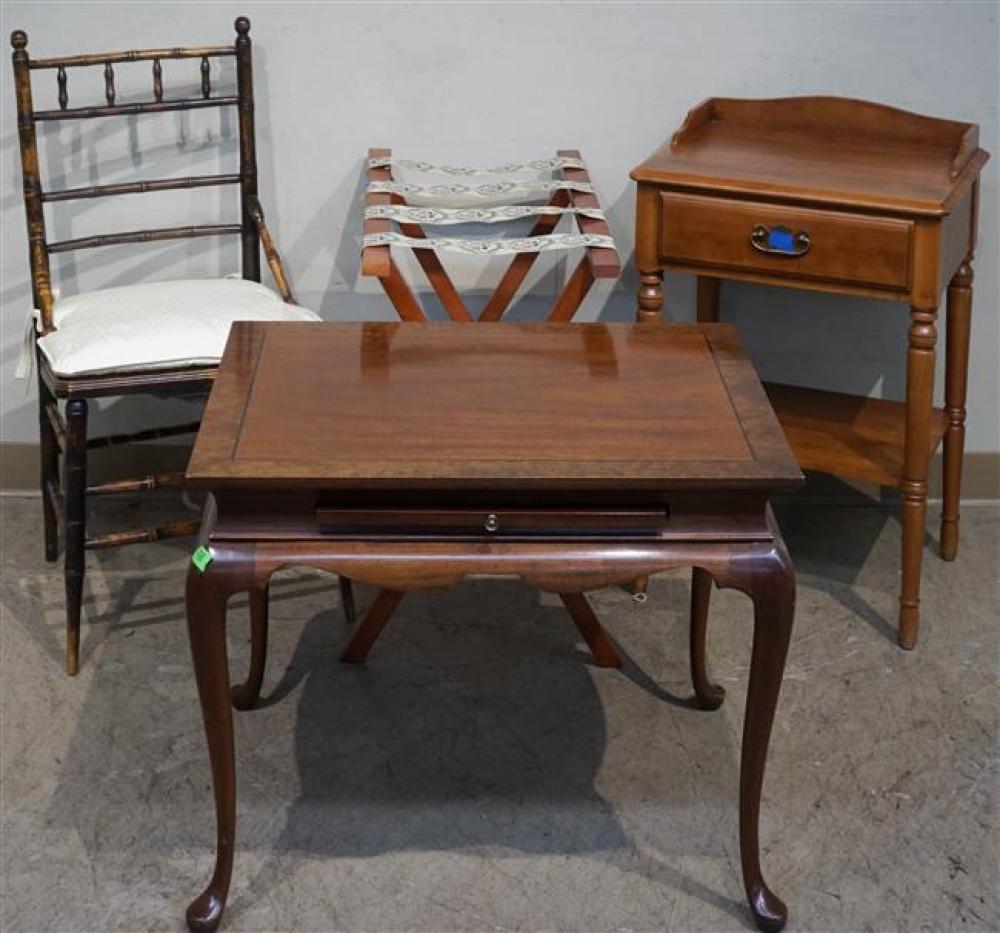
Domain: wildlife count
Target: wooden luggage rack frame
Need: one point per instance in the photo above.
(600, 261)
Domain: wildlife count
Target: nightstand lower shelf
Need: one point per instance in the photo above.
(850, 435)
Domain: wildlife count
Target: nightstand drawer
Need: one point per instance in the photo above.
(794, 242)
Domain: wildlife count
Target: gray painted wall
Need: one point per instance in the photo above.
(483, 83)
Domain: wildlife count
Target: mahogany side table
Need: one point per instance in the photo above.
(410, 455)
(833, 195)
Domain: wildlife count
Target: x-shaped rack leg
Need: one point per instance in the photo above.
(386, 601)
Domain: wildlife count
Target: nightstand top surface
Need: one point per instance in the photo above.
(829, 151)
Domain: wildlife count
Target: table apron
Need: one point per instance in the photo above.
(557, 566)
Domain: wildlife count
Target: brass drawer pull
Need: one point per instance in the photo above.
(780, 241)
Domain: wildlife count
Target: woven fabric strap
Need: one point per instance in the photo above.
(537, 165)
(496, 247)
(504, 189)
(471, 215)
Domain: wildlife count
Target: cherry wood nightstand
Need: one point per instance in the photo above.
(833, 195)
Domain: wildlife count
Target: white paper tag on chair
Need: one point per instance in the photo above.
(26, 358)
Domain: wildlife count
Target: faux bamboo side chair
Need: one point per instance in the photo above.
(86, 346)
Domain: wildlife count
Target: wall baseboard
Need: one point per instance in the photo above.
(19, 468)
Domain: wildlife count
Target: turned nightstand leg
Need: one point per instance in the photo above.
(650, 310)
(913, 485)
(650, 297)
(956, 380)
(707, 307)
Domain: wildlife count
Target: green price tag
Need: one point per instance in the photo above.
(202, 557)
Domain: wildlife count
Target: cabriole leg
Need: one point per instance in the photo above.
(206, 621)
(245, 695)
(955, 382)
(773, 594)
(707, 694)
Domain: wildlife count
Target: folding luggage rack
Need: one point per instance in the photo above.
(514, 192)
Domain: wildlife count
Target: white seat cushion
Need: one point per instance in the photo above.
(156, 325)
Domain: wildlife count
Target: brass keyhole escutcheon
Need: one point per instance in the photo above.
(492, 523)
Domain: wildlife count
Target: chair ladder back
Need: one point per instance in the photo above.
(250, 239)
(35, 196)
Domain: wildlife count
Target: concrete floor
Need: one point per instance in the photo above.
(478, 774)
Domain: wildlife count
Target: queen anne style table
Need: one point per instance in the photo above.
(410, 455)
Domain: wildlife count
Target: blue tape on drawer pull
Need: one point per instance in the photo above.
(782, 239)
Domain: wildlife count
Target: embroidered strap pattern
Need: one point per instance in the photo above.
(537, 165)
(496, 190)
(471, 215)
(493, 247)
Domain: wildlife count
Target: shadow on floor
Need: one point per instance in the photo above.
(477, 725)
(479, 731)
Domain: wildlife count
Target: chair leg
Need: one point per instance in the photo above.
(707, 695)
(347, 599)
(49, 471)
(246, 694)
(595, 636)
(76, 525)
